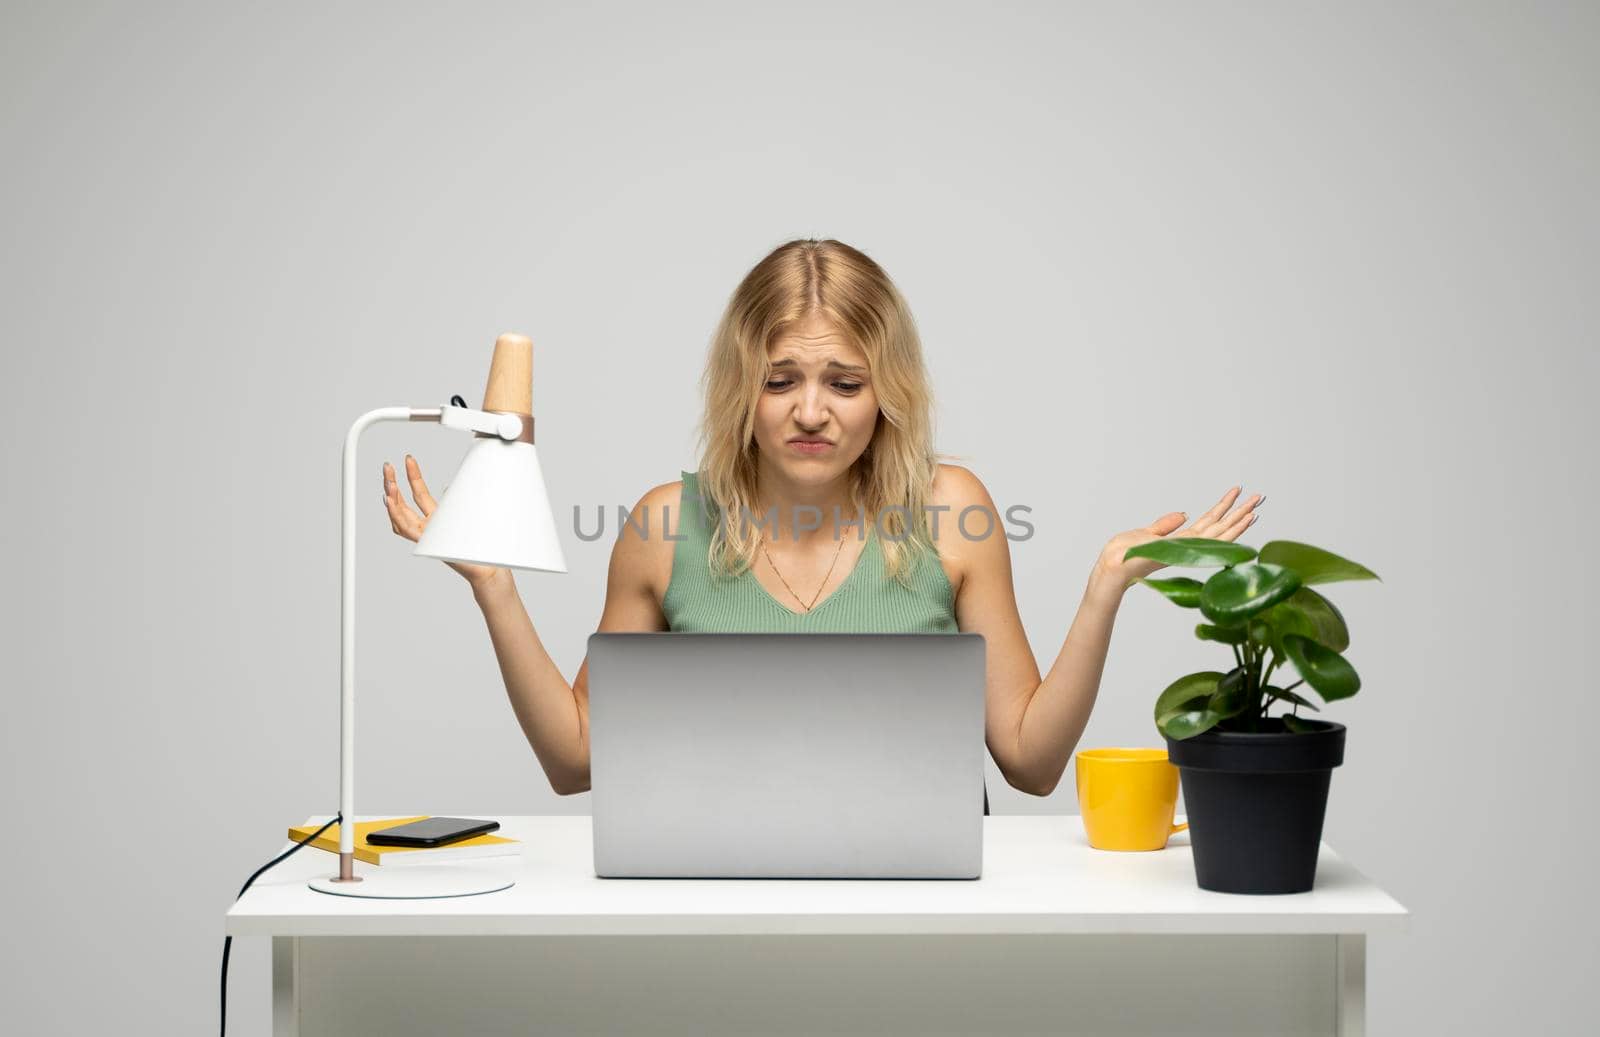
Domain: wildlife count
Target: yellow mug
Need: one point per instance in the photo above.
(1127, 797)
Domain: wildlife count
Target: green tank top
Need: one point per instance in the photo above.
(867, 602)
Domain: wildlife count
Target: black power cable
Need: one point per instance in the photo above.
(227, 941)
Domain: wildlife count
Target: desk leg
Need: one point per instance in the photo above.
(1352, 984)
(285, 986)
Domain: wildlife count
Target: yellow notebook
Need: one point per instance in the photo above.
(486, 845)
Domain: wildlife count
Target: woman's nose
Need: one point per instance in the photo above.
(810, 411)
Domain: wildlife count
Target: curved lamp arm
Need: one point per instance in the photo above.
(505, 426)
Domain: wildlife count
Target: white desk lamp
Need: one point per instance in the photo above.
(495, 512)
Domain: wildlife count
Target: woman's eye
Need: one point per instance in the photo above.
(783, 383)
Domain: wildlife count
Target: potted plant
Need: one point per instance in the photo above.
(1256, 784)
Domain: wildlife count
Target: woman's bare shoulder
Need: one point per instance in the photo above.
(954, 490)
(645, 536)
(957, 488)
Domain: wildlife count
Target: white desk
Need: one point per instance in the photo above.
(1055, 937)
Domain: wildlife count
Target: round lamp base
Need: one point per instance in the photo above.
(415, 882)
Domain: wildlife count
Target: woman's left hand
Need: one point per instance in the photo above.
(1217, 524)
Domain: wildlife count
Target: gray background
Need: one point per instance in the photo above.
(1345, 254)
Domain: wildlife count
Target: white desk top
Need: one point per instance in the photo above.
(1039, 876)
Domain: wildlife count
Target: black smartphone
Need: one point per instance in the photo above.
(432, 831)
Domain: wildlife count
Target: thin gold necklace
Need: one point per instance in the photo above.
(805, 605)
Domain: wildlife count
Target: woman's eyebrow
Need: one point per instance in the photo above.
(790, 361)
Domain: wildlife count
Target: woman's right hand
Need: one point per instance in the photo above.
(410, 523)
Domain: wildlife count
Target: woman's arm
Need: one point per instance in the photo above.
(555, 716)
(546, 706)
(1055, 714)
(1033, 725)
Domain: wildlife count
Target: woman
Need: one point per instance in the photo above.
(823, 507)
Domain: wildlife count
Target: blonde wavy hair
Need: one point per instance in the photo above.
(797, 280)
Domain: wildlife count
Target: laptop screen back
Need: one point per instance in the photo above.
(787, 755)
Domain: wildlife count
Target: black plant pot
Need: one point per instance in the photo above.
(1256, 804)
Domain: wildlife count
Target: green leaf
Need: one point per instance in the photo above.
(1309, 614)
(1298, 726)
(1227, 635)
(1188, 723)
(1234, 595)
(1324, 669)
(1230, 699)
(1192, 551)
(1180, 590)
(1313, 563)
(1289, 696)
(1190, 691)
(1199, 701)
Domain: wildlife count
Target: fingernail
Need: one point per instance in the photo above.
(1262, 501)
(1252, 520)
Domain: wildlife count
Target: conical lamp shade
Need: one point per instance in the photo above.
(495, 512)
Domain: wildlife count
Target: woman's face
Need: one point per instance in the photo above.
(819, 391)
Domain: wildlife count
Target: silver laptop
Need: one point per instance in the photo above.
(787, 755)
